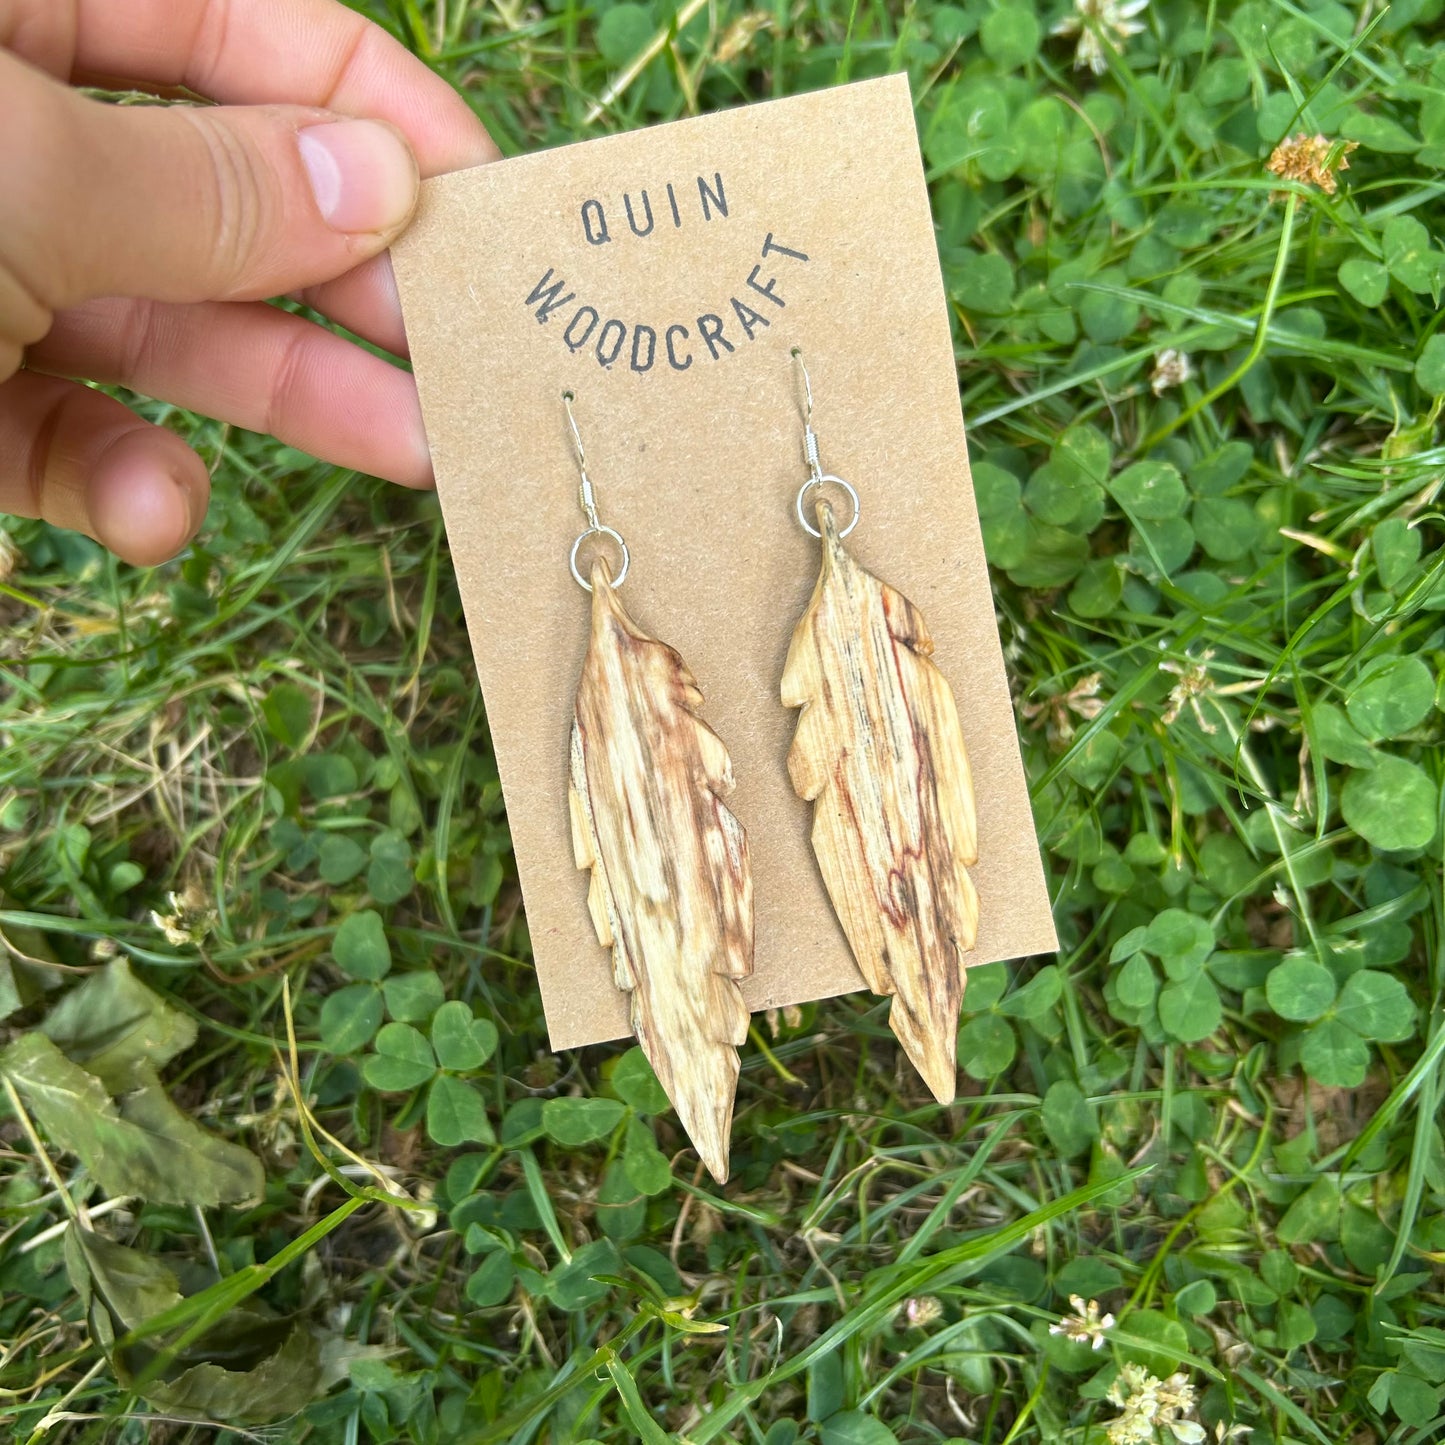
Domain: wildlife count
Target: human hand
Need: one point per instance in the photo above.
(138, 245)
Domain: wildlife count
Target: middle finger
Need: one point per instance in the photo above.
(256, 367)
(364, 300)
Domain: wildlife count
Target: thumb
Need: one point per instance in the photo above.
(190, 203)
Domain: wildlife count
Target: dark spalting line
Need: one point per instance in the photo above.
(941, 984)
(887, 646)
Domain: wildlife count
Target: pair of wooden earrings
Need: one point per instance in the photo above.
(879, 753)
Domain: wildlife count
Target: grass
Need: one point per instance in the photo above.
(1220, 593)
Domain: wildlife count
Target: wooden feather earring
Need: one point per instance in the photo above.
(880, 754)
(671, 889)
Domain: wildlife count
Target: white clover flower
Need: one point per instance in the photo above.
(921, 1311)
(1171, 368)
(1086, 1326)
(1098, 23)
(1224, 1433)
(191, 919)
(1149, 1405)
(1082, 699)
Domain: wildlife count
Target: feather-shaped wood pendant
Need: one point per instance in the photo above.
(879, 753)
(671, 891)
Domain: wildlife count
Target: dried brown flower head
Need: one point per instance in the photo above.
(1054, 712)
(741, 34)
(1311, 159)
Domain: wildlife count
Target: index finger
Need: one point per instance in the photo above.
(292, 52)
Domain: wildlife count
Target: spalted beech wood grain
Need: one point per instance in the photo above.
(879, 753)
(671, 891)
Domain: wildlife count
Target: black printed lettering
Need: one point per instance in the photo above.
(765, 290)
(638, 332)
(712, 334)
(672, 360)
(596, 236)
(632, 220)
(672, 201)
(749, 319)
(716, 198)
(770, 245)
(576, 344)
(548, 296)
(606, 331)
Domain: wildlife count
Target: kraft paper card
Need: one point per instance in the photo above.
(664, 276)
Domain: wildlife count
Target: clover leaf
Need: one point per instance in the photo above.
(1369, 1007)
(1394, 805)
(404, 1059)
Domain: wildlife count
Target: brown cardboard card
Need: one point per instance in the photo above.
(664, 276)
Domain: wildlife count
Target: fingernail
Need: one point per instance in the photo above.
(362, 174)
(422, 476)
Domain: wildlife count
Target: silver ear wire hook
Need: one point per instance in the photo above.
(810, 437)
(587, 497)
(817, 477)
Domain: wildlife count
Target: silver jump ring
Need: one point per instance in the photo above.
(621, 577)
(808, 527)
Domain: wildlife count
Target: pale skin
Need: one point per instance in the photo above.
(139, 245)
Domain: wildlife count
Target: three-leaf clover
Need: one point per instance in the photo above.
(407, 1060)
(1185, 1002)
(1369, 1007)
(572, 1122)
(351, 1016)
